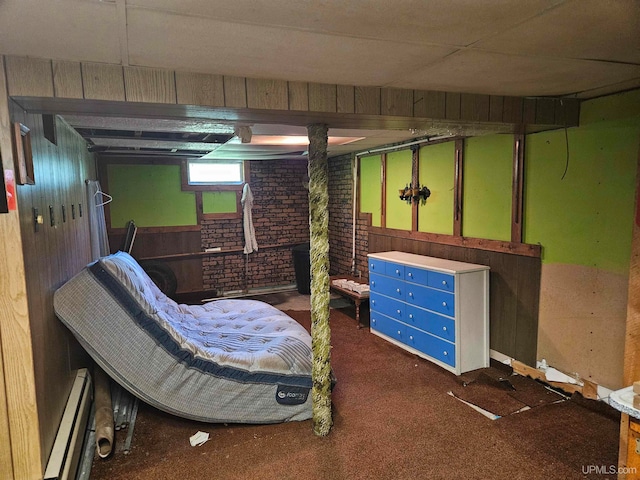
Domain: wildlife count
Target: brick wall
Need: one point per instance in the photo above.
(280, 218)
(341, 220)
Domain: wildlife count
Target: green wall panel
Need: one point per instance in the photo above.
(150, 195)
(219, 202)
(371, 188)
(398, 176)
(488, 163)
(585, 219)
(437, 170)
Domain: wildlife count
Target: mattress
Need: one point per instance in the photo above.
(238, 361)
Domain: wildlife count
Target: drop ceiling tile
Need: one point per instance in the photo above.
(499, 74)
(437, 21)
(586, 29)
(64, 29)
(158, 39)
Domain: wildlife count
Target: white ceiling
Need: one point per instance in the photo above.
(581, 48)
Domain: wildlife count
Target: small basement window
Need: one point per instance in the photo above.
(202, 172)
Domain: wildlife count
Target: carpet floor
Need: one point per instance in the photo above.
(394, 418)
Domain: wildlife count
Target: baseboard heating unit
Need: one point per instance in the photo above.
(67, 447)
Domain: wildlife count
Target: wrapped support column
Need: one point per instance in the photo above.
(319, 255)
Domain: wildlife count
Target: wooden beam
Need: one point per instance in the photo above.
(517, 188)
(383, 185)
(415, 176)
(457, 187)
(20, 409)
(524, 249)
(631, 367)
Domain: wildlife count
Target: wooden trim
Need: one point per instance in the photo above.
(23, 154)
(154, 230)
(457, 187)
(517, 188)
(524, 249)
(631, 367)
(224, 251)
(217, 216)
(383, 186)
(415, 176)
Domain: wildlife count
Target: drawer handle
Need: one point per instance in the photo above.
(411, 294)
(410, 274)
(444, 304)
(398, 332)
(372, 267)
(398, 311)
(444, 282)
(445, 353)
(411, 316)
(444, 328)
(373, 283)
(397, 272)
(397, 290)
(373, 302)
(373, 320)
(410, 337)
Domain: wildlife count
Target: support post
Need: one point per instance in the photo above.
(319, 253)
(517, 204)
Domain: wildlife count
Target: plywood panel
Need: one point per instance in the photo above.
(367, 100)
(299, 96)
(267, 94)
(28, 76)
(103, 82)
(199, 89)
(322, 97)
(396, 101)
(149, 85)
(15, 332)
(345, 99)
(582, 321)
(67, 80)
(428, 103)
(235, 92)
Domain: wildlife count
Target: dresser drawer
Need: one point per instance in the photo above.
(441, 281)
(394, 270)
(433, 346)
(388, 286)
(388, 327)
(443, 327)
(377, 266)
(431, 299)
(388, 306)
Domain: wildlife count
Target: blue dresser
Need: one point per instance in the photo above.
(435, 308)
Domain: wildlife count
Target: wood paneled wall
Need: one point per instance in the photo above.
(34, 77)
(53, 252)
(161, 242)
(514, 291)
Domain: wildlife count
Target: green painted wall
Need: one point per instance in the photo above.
(398, 176)
(437, 171)
(150, 195)
(219, 202)
(371, 188)
(585, 219)
(488, 162)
